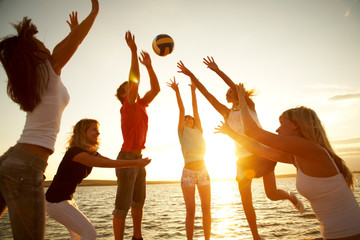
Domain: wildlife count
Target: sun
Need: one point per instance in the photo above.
(220, 157)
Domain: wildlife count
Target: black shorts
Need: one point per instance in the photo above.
(253, 167)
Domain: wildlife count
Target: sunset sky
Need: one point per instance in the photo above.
(292, 52)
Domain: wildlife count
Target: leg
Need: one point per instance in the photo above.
(189, 198)
(275, 194)
(118, 227)
(205, 197)
(272, 192)
(124, 195)
(68, 214)
(3, 206)
(22, 189)
(137, 214)
(246, 199)
(139, 196)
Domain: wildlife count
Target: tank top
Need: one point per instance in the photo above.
(193, 145)
(333, 202)
(42, 125)
(235, 122)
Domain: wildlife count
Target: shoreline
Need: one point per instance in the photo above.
(99, 182)
(95, 182)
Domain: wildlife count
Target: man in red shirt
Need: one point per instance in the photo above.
(131, 189)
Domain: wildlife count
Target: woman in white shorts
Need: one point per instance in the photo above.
(81, 156)
(194, 172)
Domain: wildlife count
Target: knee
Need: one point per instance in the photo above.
(272, 196)
(89, 234)
(120, 213)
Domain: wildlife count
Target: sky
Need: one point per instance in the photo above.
(293, 53)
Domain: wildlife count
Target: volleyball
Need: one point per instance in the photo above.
(163, 45)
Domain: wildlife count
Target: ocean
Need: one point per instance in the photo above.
(164, 213)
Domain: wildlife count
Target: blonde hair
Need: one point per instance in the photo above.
(312, 129)
(78, 137)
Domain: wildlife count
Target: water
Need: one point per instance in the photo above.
(164, 213)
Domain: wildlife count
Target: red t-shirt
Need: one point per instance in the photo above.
(134, 125)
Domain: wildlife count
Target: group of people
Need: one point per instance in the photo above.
(35, 84)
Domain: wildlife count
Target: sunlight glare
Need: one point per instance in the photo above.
(133, 78)
(220, 157)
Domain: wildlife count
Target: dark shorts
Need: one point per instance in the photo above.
(253, 167)
(131, 187)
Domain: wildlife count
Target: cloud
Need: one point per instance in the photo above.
(348, 152)
(345, 97)
(347, 141)
(348, 148)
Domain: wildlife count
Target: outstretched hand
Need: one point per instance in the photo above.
(145, 59)
(183, 69)
(173, 84)
(73, 23)
(143, 162)
(193, 87)
(130, 40)
(223, 128)
(210, 63)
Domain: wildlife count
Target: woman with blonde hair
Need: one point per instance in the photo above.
(81, 156)
(34, 82)
(322, 176)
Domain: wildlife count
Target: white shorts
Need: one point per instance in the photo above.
(195, 177)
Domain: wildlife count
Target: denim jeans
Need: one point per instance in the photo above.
(21, 188)
(131, 190)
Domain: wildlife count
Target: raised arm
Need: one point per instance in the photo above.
(210, 63)
(255, 147)
(154, 82)
(291, 144)
(222, 109)
(195, 107)
(101, 161)
(67, 47)
(175, 86)
(134, 74)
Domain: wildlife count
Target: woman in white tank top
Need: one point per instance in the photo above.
(247, 162)
(34, 83)
(322, 176)
(194, 173)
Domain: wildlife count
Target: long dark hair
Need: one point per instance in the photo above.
(27, 74)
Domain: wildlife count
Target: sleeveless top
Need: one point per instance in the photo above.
(235, 122)
(333, 202)
(68, 176)
(192, 143)
(134, 125)
(42, 125)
